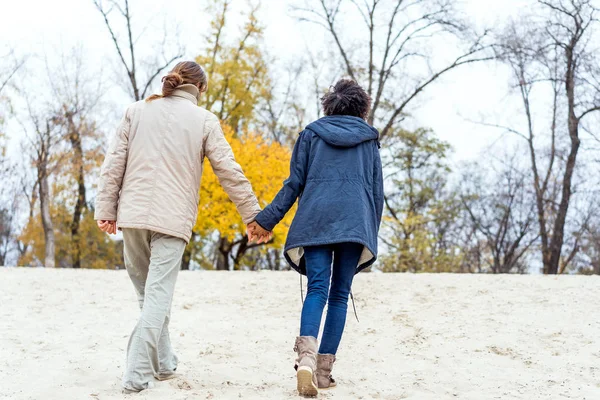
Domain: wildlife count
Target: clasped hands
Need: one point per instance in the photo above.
(254, 231)
(257, 233)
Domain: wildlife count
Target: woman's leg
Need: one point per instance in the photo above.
(142, 353)
(137, 261)
(167, 360)
(346, 257)
(318, 271)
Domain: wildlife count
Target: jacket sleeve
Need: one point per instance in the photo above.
(229, 172)
(112, 172)
(378, 186)
(292, 186)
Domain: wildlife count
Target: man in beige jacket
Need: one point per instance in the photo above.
(149, 188)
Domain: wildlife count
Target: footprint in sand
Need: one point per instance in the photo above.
(181, 384)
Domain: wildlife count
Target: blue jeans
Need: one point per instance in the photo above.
(345, 257)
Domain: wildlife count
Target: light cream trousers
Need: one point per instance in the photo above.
(153, 261)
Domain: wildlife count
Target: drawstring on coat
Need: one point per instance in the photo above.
(354, 306)
(351, 296)
(301, 290)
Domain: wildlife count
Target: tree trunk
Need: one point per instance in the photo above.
(188, 253)
(276, 263)
(556, 243)
(223, 253)
(23, 247)
(241, 250)
(6, 219)
(187, 257)
(49, 256)
(81, 198)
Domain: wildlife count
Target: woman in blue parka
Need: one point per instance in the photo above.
(336, 173)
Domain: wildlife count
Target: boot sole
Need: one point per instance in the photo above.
(306, 386)
(163, 378)
(328, 387)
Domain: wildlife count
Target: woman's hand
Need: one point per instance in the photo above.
(255, 231)
(109, 227)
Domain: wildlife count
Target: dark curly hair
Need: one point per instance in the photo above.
(346, 97)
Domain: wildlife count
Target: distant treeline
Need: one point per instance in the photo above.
(533, 206)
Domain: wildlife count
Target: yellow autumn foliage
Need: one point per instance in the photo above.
(266, 165)
(237, 69)
(98, 250)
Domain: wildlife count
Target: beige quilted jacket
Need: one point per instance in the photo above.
(151, 175)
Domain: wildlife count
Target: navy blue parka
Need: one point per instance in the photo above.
(336, 173)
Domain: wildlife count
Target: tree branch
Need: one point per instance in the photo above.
(458, 62)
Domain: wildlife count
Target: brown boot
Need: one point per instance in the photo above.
(306, 365)
(323, 374)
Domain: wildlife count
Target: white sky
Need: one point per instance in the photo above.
(41, 26)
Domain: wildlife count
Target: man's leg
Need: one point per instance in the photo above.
(143, 351)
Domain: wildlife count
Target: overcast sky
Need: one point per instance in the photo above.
(473, 92)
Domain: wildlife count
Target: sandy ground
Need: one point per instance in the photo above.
(63, 335)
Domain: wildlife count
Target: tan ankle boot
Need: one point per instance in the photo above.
(306, 365)
(323, 374)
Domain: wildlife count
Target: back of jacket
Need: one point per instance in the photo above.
(337, 175)
(151, 175)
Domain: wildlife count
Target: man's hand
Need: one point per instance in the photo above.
(256, 232)
(109, 227)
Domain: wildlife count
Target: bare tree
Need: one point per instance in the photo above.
(11, 64)
(570, 30)
(8, 205)
(281, 115)
(10, 212)
(138, 84)
(559, 56)
(590, 249)
(316, 70)
(575, 240)
(499, 208)
(294, 97)
(405, 29)
(77, 95)
(27, 188)
(47, 135)
(6, 223)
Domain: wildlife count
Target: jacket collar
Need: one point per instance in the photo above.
(187, 91)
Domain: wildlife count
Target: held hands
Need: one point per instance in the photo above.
(257, 233)
(109, 227)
